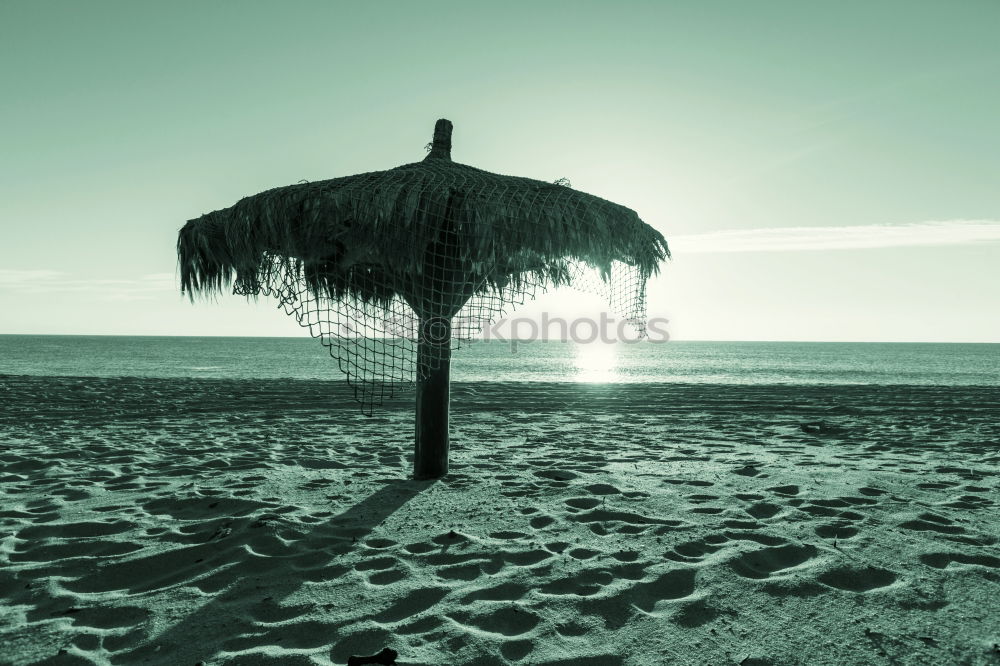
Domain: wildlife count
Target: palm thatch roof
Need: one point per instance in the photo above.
(374, 236)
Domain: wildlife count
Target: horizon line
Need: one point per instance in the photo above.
(507, 340)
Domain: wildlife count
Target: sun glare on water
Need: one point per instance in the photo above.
(596, 362)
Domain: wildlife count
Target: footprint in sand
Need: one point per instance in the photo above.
(689, 482)
(944, 560)
(696, 550)
(602, 489)
(626, 556)
(526, 558)
(857, 579)
(419, 548)
(556, 474)
(501, 592)
(507, 535)
(379, 544)
(516, 650)
(582, 502)
(506, 621)
(538, 522)
(930, 522)
(787, 491)
(814, 509)
(934, 485)
(836, 530)
(767, 562)
(763, 510)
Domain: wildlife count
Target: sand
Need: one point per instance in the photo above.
(151, 521)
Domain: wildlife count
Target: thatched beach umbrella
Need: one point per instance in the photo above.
(390, 268)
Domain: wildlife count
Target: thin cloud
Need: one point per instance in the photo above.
(15, 277)
(796, 239)
(44, 281)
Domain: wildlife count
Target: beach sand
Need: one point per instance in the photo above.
(156, 521)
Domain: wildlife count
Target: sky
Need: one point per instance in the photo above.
(822, 171)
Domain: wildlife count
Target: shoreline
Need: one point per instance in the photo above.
(337, 394)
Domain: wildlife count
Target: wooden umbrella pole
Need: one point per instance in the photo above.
(430, 460)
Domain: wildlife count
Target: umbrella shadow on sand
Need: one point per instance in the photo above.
(245, 572)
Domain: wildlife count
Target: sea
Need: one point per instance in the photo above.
(498, 361)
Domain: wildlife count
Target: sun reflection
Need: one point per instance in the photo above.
(596, 362)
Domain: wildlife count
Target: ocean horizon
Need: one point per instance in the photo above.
(700, 362)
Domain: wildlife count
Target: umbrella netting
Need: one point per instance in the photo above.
(375, 344)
